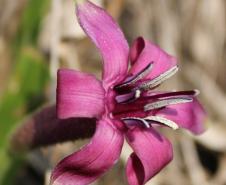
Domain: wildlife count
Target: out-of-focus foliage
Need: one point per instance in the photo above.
(25, 89)
(29, 29)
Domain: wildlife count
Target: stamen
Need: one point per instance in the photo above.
(163, 121)
(129, 97)
(159, 79)
(131, 121)
(151, 95)
(170, 101)
(125, 97)
(137, 77)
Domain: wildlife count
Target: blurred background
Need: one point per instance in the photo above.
(38, 37)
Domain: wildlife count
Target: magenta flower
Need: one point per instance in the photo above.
(124, 105)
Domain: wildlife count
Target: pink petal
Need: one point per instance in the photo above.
(136, 48)
(151, 153)
(187, 115)
(89, 163)
(108, 37)
(78, 95)
(143, 52)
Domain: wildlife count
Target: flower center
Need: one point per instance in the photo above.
(136, 103)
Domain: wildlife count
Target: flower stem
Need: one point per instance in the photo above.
(43, 128)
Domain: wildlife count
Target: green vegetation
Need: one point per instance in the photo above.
(26, 87)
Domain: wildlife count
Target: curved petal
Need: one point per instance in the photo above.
(148, 52)
(87, 164)
(136, 48)
(78, 95)
(187, 115)
(151, 153)
(108, 37)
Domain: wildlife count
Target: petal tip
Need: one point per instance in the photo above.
(136, 48)
(144, 164)
(108, 38)
(85, 7)
(92, 160)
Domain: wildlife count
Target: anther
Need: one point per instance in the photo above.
(159, 79)
(135, 78)
(151, 95)
(132, 121)
(163, 121)
(165, 102)
(129, 97)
